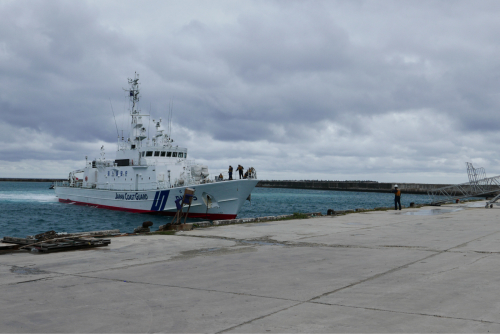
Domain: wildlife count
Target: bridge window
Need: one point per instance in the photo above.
(163, 153)
(174, 154)
(157, 153)
(149, 153)
(181, 154)
(143, 153)
(169, 154)
(185, 155)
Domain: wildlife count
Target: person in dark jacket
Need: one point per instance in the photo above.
(240, 170)
(397, 197)
(230, 171)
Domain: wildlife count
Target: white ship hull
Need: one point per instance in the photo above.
(227, 199)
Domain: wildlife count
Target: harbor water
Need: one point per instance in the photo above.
(28, 208)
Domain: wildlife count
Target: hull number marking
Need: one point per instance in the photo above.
(160, 200)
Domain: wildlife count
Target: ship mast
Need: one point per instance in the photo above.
(138, 131)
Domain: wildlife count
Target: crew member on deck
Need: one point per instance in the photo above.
(221, 177)
(246, 175)
(230, 172)
(240, 170)
(397, 197)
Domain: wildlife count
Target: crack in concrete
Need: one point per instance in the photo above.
(267, 241)
(410, 313)
(375, 276)
(478, 260)
(33, 280)
(481, 252)
(258, 318)
(188, 287)
(445, 271)
(467, 242)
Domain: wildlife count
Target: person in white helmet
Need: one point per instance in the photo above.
(397, 197)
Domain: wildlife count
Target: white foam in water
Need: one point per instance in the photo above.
(27, 197)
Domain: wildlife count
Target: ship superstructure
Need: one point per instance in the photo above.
(148, 175)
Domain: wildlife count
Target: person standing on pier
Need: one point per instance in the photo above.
(230, 171)
(397, 197)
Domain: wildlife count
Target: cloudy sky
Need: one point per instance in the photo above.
(395, 91)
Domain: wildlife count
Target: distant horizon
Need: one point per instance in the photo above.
(24, 179)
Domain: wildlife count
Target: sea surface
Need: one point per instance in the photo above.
(28, 208)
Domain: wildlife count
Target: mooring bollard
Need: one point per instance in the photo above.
(147, 224)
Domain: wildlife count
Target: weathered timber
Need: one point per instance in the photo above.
(362, 186)
(70, 244)
(6, 246)
(56, 244)
(17, 241)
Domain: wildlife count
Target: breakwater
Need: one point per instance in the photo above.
(365, 186)
(12, 179)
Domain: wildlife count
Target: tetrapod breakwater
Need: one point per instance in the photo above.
(366, 186)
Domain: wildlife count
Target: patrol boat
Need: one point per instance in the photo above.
(148, 176)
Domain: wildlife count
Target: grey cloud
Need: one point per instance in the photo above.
(59, 52)
(326, 80)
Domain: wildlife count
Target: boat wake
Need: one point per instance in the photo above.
(23, 197)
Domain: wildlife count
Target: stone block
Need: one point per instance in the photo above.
(205, 223)
(180, 227)
(141, 229)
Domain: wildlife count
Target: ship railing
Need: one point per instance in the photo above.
(61, 184)
(252, 174)
(76, 184)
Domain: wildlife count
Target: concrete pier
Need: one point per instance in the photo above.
(365, 186)
(416, 270)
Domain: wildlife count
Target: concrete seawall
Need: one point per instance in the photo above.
(366, 186)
